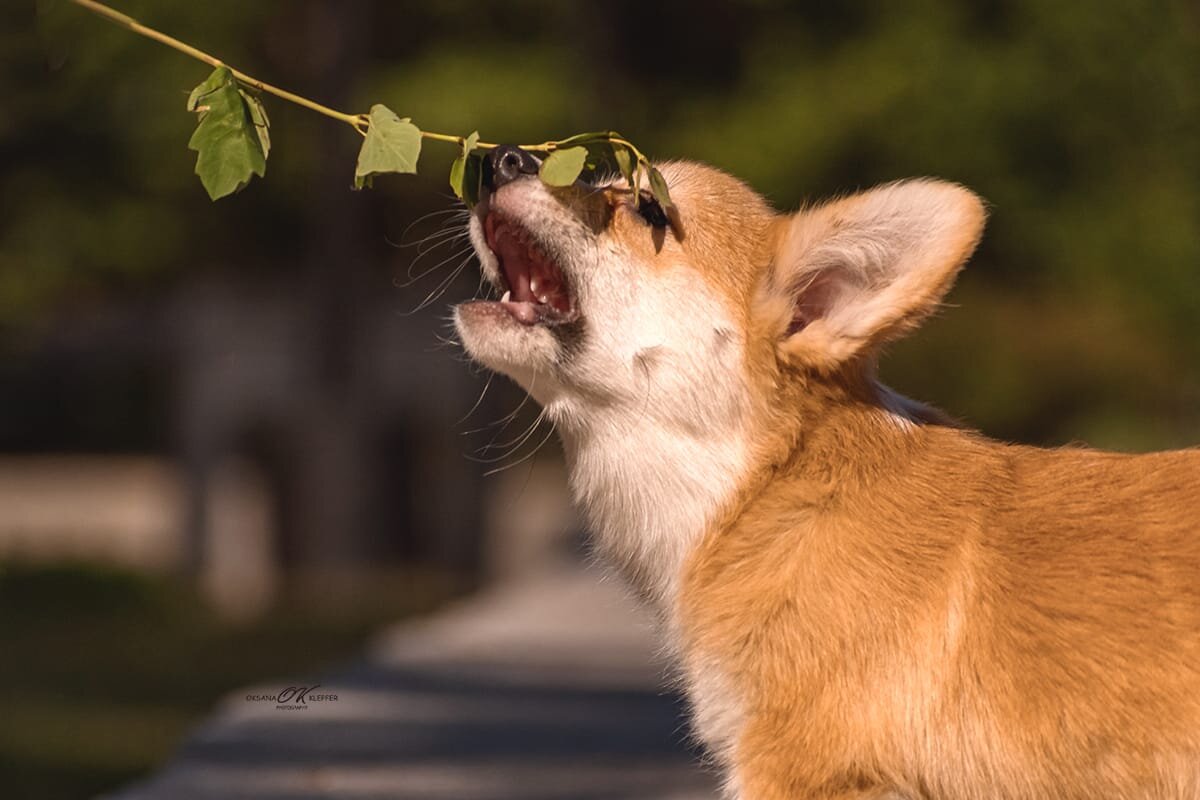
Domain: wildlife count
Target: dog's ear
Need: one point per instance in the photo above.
(855, 273)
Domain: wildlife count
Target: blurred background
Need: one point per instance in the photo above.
(234, 437)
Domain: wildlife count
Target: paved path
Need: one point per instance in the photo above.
(544, 689)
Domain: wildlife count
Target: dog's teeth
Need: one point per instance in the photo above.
(506, 297)
(544, 299)
(533, 286)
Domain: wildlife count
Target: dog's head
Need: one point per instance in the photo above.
(608, 302)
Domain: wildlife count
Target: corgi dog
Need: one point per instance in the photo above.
(865, 600)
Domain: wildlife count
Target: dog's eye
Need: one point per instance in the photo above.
(651, 211)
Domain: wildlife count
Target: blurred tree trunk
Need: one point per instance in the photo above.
(330, 528)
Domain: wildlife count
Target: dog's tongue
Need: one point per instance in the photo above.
(515, 260)
(525, 313)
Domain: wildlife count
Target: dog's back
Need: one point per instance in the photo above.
(957, 618)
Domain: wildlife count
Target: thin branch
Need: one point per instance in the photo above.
(356, 121)
(360, 122)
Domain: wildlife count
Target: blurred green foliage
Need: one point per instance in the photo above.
(1078, 120)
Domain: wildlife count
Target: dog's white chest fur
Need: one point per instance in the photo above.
(649, 495)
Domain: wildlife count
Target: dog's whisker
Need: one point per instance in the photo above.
(535, 451)
(460, 253)
(453, 215)
(515, 444)
(478, 400)
(440, 289)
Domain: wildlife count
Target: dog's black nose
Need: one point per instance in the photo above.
(506, 163)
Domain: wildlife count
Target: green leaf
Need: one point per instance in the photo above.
(472, 179)
(392, 144)
(258, 115)
(625, 162)
(458, 168)
(229, 150)
(219, 77)
(562, 167)
(658, 187)
(601, 155)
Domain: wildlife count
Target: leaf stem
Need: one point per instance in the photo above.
(544, 147)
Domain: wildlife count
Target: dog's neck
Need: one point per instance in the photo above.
(649, 492)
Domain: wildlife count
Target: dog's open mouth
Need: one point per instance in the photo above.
(535, 289)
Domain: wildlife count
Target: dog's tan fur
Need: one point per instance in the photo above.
(889, 605)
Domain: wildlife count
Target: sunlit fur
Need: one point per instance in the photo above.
(865, 601)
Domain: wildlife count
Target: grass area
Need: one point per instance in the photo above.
(102, 672)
